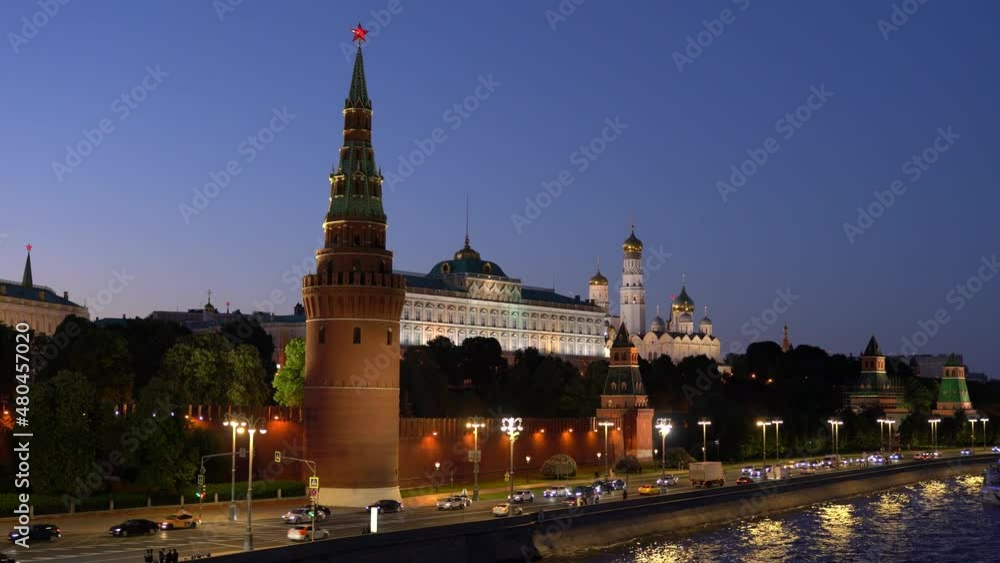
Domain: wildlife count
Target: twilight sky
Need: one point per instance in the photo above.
(197, 85)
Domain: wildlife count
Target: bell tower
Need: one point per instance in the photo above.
(353, 304)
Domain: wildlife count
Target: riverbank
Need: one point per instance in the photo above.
(590, 530)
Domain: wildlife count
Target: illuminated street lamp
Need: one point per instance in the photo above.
(232, 421)
(475, 424)
(704, 423)
(763, 432)
(934, 422)
(527, 463)
(512, 427)
(664, 426)
(777, 422)
(984, 420)
(888, 422)
(606, 424)
(437, 471)
(835, 424)
(249, 425)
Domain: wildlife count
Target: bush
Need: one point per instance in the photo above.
(678, 457)
(559, 466)
(628, 464)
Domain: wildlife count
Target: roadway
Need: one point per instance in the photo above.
(86, 540)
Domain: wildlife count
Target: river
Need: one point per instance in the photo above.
(928, 521)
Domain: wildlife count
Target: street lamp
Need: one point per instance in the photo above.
(777, 422)
(889, 422)
(512, 427)
(527, 463)
(664, 426)
(606, 424)
(835, 424)
(763, 432)
(250, 425)
(934, 422)
(475, 424)
(232, 422)
(881, 429)
(984, 420)
(437, 471)
(704, 423)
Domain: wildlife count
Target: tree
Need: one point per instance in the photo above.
(628, 464)
(248, 385)
(63, 434)
(559, 466)
(289, 382)
(165, 461)
(247, 330)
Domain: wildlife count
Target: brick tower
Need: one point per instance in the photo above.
(624, 400)
(353, 305)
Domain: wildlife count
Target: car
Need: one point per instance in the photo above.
(522, 496)
(996, 449)
(181, 519)
(744, 480)
(556, 492)
(37, 532)
(586, 494)
(616, 485)
(965, 451)
(451, 503)
(507, 509)
(385, 505)
(648, 489)
(305, 533)
(877, 460)
(748, 469)
(135, 527)
(667, 481)
(300, 515)
(319, 508)
(895, 458)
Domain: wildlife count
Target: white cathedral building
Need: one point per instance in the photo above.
(676, 337)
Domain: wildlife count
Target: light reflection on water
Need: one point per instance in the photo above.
(928, 521)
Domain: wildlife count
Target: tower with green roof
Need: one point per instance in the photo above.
(624, 399)
(874, 390)
(954, 393)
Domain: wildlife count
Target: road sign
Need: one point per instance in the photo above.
(314, 482)
(201, 479)
(475, 456)
(506, 477)
(313, 493)
(243, 452)
(277, 457)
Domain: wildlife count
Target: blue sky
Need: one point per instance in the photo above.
(211, 82)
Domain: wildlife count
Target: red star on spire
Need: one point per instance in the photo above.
(28, 246)
(359, 33)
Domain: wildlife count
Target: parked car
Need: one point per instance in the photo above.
(180, 520)
(385, 505)
(506, 509)
(556, 492)
(966, 451)
(744, 480)
(134, 528)
(305, 533)
(667, 481)
(451, 503)
(522, 496)
(648, 489)
(300, 515)
(37, 532)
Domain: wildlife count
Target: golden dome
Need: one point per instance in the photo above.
(598, 279)
(632, 244)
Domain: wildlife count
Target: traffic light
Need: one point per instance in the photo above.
(200, 492)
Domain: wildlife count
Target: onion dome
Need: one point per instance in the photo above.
(467, 252)
(632, 244)
(683, 300)
(598, 279)
(705, 321)
(687, 318)
(658, 325)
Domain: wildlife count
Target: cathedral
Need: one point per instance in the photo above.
(676, 337)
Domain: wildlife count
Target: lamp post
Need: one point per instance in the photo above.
(475, 424)
(233, 423)
(972, 422)
(704, 423)
(527, 464)
(881, 428)
(984, 420)
(934, 422)
(664, 426)
(606, 424)
(437, 471)
(763, 433)
(777, 422)
(835, 429)
(512, 427)
(250, 425)
(889, 422)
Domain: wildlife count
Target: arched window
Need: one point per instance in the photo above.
(357, 335)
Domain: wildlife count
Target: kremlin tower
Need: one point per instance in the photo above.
(353, 305)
